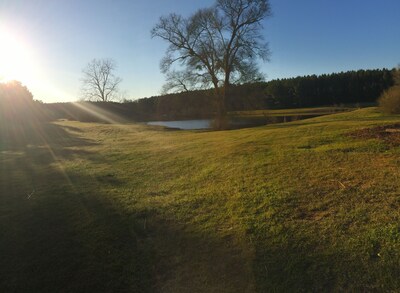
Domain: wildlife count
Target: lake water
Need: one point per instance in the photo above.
(236, 122)
(184, 124)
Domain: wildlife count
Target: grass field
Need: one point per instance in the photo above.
(241, 119)
(317, 111)
(295, 207)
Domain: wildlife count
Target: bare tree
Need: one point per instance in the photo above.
(99, 82)
(214, 48)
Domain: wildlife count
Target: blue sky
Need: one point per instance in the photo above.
(59, 37)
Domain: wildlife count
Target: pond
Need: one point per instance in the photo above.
(184, 124)
(234, 123)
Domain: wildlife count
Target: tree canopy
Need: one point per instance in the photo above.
(215, 47)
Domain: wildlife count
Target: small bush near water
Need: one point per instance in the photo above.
(389, 102)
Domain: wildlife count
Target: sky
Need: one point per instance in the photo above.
(46, 43)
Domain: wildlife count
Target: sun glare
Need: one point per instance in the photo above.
(19, 61)
(16, 59)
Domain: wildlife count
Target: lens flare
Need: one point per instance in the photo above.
(16, 59)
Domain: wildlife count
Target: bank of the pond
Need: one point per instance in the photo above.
(234, 122)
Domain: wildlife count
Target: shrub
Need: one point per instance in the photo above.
(389, 101)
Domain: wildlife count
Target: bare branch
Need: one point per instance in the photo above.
(99, 82)
(216, 46)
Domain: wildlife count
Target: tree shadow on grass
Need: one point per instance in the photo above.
(187, 260)
(40, 134)
(30, 153)
(59, 231)
(61, 240)
(301, 267)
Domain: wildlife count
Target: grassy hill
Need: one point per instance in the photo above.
(311, 205)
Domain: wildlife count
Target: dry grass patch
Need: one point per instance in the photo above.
(388, 133)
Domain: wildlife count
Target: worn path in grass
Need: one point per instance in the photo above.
(303, 206)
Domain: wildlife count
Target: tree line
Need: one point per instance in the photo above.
(362, 86)
(351, 87)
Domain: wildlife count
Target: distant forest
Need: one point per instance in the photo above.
(352, 87)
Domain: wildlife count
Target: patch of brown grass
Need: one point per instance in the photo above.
(388, 133)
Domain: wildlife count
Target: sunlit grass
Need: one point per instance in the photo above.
(317, 111)
(300, 206)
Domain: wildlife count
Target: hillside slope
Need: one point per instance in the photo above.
(304, 206)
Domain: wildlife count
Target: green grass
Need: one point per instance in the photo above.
(317, 111)
(292, 207)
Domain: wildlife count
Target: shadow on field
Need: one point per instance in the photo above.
(40, 134)
(190, 261)
(292, 267)
(61, 229)
(298, 264)
(59, 232)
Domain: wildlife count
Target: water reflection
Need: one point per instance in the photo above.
(184, 124)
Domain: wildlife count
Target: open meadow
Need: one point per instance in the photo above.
(306, 206)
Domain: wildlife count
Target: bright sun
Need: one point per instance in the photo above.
(19, 61)
(16, 60)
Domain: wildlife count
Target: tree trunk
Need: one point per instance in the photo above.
(221, 121)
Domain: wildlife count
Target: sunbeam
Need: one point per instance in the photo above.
(100, 113)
